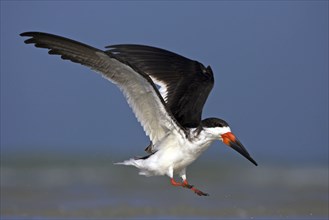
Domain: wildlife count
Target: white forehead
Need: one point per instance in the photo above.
(218, 130)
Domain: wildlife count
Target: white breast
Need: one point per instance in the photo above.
(177, 152)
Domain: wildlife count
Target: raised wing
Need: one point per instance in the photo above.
(139, 90)
(185, 84)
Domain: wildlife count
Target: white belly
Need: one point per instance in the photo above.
(175, 154)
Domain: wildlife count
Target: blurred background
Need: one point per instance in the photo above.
(62, 125)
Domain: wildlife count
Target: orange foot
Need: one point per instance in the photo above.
(186, 185)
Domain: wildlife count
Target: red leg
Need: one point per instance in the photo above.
(186, 185)
(174, 183)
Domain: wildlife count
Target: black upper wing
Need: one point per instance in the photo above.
(68, 49)
(187, 82)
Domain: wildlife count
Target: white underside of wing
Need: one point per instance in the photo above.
(141, 97)
(141, 94)
(163, 88)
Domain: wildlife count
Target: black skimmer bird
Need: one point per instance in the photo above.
(170, 115)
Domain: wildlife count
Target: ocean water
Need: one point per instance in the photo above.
(88, 187)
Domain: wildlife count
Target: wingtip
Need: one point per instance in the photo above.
(27, 34)
(33, 36)
(32, 33)
(23, 34)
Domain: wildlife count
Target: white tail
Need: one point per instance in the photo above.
(138, 163)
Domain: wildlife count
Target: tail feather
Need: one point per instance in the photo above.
(138, 163)
(130, 162)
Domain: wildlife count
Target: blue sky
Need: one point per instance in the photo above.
(270, 60)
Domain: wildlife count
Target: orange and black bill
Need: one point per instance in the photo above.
(233, 142)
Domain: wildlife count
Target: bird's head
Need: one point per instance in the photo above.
(221, 130)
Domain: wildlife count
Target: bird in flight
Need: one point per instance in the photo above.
(166, 91)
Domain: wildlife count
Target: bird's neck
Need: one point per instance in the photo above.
(201, 136)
